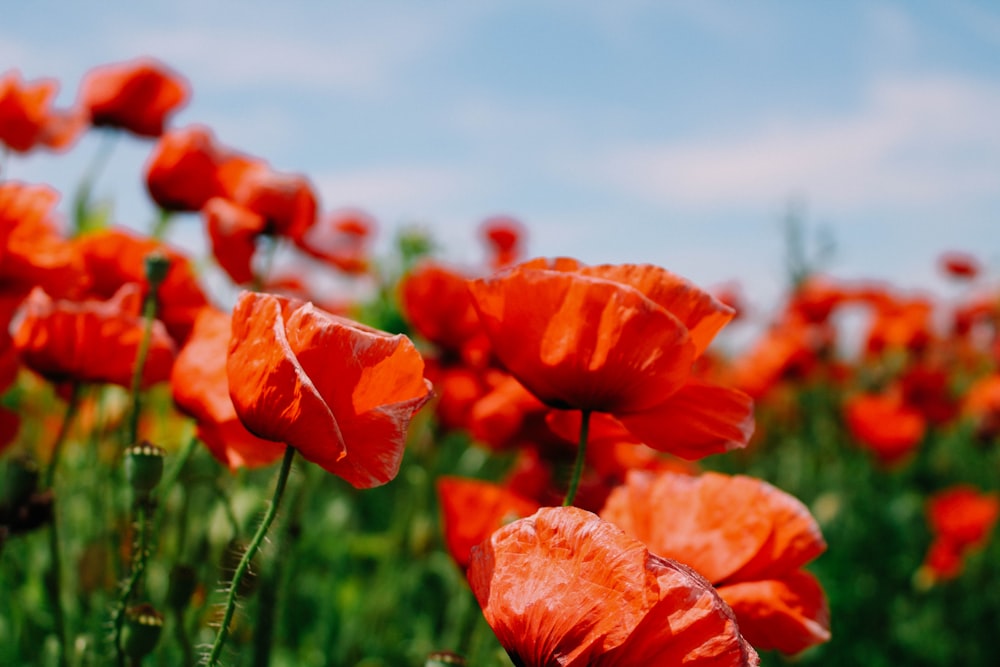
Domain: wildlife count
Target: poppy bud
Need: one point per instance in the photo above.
(143, 467)
(157, 266)
(143, 625)
(183, 581)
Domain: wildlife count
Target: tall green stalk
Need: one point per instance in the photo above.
(244, 566)
(581, 455)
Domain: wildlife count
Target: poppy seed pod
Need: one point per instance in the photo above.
(143, 626)
(143, 467)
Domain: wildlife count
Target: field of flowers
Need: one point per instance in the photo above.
(388, 460)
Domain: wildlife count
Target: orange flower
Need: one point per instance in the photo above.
(504, 235)
(565, 588)
(961, 519)
(114, 257)
(341, 393)
(746, 537)
(472, 509)
(959, 265)
(187, 168)
(436, 303)
(201, 388)
(26, 119)
(616, 339)
(885, 425)
(287, 202)
(91, 341)
(341, 239)
(233, 231)
(137, 95)
(32, 252)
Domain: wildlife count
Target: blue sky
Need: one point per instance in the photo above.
(675, 133)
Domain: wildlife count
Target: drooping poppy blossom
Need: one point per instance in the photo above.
(959, 265)
(616, 339)
(287, 202)
(564, 587)
(187, 167)
(961, 519)
(200, 387)
(137, 96)
(471, 509)
(504, 236)
(117, 256)
(233, 232)
(746, 537)
(339, 392)
(341, 239)
(884, 424)
(91, 341)
(32, 251)
(27, 119)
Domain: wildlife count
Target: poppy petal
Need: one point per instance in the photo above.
(698, 420)
(788, 614)
(583, 342)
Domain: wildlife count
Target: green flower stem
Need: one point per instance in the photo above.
(138, 569)
(241, 569)
(156, 271)
(581, 454)
(81, 201)
(162, 224)
(53, 579)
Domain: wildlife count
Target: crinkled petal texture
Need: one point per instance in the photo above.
(341, 393)
(91, 341)
(565, 588)
(201, 388)
(581, 341)
(734, 530)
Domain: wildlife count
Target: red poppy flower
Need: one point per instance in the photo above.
(341, 239)
(436, 302)
(233, 231)
(287, 202)
(959, 265)
(505, 238)
(137, 95)
(114, 257)
(201, 389)
(745, 536)
(961, 519)
(616, 339)
(472, 509)
(187, 168)
(885, 425)
(91, 341)
(565, 588)
(32, 251)
(341, 393)
(27, 119)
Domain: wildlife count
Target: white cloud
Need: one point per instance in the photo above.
(915, 142)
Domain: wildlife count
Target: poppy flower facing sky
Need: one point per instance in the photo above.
(339, 392)
(563, 588)
(616, 339)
